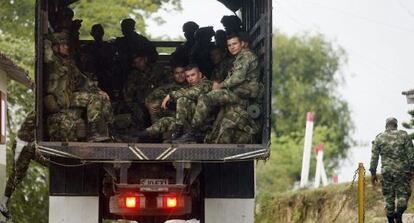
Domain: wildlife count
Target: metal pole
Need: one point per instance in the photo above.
(361, 193)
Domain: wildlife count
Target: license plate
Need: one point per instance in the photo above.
(154, 181)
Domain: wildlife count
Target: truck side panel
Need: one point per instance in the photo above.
(229, 192)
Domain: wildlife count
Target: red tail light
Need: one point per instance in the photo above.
(131, 202)
(170, 202)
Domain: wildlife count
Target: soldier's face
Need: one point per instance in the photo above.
(140, 63)
(193, 76)
(179, 74)
(63, 49)
(216, 56)
(234, 45)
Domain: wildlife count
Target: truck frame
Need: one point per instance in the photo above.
(78, 168)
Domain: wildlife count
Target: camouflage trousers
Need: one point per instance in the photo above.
(232, 125)
(98, 107)
(64, 125)
(207, 102)
(184, 111)
(28, 153)
(396, 188)
(163, 125)
(27, 129)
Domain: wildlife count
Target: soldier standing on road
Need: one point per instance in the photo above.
(396, 150)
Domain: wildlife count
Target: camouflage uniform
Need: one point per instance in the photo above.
(156, 97)
(185, 99)
(137, 87)
(68, 88)
(29, 152)
(396, 150)
(232, 125)
(220, 72)
(240, 84)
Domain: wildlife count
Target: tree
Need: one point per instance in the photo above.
(306, 72)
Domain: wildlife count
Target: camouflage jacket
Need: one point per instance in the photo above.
(137, 87)
(396, 150)
(160, 92)
(243, 76)
(220, 72)
(192, 92)
(63, 78)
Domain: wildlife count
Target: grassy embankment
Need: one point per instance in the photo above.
(322, 205)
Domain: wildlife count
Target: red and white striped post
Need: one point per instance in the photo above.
(304, 177)
(320, 168)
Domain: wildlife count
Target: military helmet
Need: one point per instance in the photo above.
(391, 120)
(58, 38)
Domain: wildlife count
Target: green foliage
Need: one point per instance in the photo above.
(410, 124)
(93, 12)
(305, 76)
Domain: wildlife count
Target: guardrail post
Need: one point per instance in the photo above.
(361, 193)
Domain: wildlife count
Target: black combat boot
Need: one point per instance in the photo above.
(390, 219)
(191, 136)
(398, 217)
(143, 135)
(4, 207)
(177, 133)
(94, 135)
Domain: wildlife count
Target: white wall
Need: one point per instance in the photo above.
(3, 177)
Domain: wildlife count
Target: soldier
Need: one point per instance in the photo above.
(154, 99)
(29, 151)
(232, 24)
(102, 54)
(221, 63)
(185, 100)
(396, 150)
(240, 85)
(68, 88)
(220, 39)
(181, 54)
(200, 52)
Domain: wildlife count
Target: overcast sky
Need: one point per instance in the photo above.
(376, 34)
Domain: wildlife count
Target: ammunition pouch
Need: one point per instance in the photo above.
(240, 119)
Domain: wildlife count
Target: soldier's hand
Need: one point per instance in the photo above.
(374, 179)
(165, 101)
(103, 93)
(216, 85)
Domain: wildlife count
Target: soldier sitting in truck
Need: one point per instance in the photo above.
(240, 85)
(222, 63)
(185, 100)
(181, 55)
(154, 99)
(68, 88)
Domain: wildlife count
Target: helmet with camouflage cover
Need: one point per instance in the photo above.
(58, 38)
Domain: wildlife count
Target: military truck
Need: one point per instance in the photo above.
(155, 182)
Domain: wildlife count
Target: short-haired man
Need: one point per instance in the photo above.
(397, 163)
(154, 99)
(240, 85)
(185, 100)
